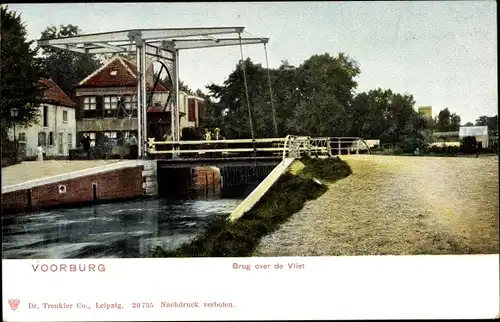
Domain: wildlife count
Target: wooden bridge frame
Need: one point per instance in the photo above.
(291, 146)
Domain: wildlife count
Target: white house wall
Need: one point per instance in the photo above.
(56, 125)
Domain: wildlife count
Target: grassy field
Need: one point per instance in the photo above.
(239, 238)
(397, 205)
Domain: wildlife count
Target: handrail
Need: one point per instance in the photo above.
(293, 145)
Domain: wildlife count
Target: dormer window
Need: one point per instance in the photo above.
(113, 73)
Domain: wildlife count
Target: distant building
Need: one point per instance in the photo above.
(55, 130)
(425, 110)
(479, 132)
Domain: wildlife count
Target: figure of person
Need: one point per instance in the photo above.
(133, 146)
(86, 144)
(216, 133)
(208, 135)
(39, 153)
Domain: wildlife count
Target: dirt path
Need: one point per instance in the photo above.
(398, 205)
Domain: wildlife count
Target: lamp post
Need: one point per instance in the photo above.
(14, 112)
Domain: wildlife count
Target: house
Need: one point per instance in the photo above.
(55, 130)
(479, 132)
(106, 103)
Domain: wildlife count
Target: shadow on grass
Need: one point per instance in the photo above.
(286, 197)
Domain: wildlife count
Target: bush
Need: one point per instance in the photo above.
(468, 145)
(190, 134)
(448, 150)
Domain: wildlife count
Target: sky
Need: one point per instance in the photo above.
(443, 53)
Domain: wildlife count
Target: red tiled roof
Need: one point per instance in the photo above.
(54, 95)
(126, 76)
(158, 88)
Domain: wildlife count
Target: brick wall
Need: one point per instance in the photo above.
(122, 183)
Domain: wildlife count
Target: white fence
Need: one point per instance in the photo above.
(289, 146)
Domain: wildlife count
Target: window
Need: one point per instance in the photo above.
(90, 107)
(42, 139)
(65, 116)
(22, 137)
(191, 110)
(22, 144)
(51, 138)
(110, 106)
(70, 141)
(111, 135)
(45, 116)
(110, 102)
(89, 103)
(61, 143)
(130, 102)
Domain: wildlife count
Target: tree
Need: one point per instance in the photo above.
(454, 122)
(469, 124)
(65, 67)
(490, 122)
(443, 121)
(230, 101)
(388, 116)
(20, 73)
(325, 88)
(447, 122)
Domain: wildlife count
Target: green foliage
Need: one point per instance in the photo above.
(446, 150)
(239, 238)
(65, 67)
(316, 98)
(190, 134)
(325, 88)
(447, 122)
(490, 122)
(468, 144)
(20, 73)
(311, 99)
(388, 116)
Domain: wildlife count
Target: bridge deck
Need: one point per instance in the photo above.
(186, 162)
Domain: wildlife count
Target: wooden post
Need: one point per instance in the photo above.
(339, 147)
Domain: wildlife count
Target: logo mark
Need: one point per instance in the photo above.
(14, 304)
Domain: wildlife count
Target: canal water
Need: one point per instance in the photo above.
(115, 230)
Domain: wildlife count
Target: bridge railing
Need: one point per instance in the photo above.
(289, 146)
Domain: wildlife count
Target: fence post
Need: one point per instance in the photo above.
(339, 152)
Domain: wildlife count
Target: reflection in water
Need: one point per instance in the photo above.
(115, 230)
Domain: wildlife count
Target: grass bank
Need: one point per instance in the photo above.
(286, 197)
